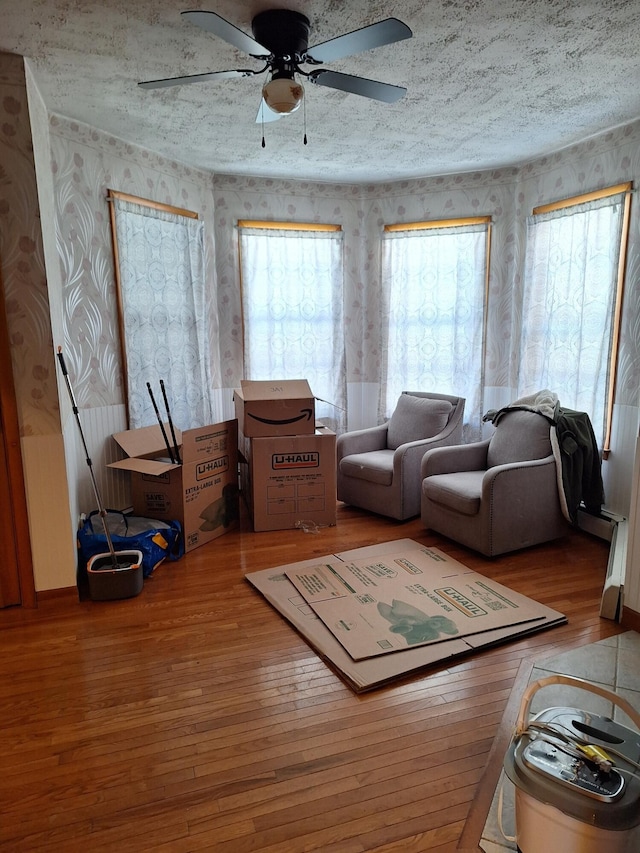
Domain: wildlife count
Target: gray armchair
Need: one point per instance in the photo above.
(379, 467)
(497, 495)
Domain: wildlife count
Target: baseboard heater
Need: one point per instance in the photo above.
(614, 529)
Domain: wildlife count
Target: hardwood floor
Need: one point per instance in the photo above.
(194, 718)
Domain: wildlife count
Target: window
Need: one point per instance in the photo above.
(574, 271)
(435, 277)
(292, 309)
(159, 261)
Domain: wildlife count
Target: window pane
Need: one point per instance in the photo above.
(292, 302)
(435, 284)
(164, 319)
(571, 274)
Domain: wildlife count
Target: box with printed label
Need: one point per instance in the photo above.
(290, 480)
(265, 408)
(201, 492)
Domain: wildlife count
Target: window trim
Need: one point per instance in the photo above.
(286, 226)
(426, 225)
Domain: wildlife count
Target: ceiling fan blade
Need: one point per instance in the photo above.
(196, 78)
(213, 23)
(265, 114)
(375, 35)
(358, 85)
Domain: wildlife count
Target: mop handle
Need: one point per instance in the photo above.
(164, 432)
(74, 405)
(102, 511)
(65, 373)
(173, 433)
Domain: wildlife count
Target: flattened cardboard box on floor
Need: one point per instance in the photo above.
(274, 584)
(290, 479)
(201, 493)
(285, 407)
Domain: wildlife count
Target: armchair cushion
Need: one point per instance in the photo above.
(521, 435)
(460, 491)
(415, 418)
(376, 466)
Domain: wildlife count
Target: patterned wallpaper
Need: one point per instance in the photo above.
(22, 259)
(86, 162)
(507, 195)
(362, 212)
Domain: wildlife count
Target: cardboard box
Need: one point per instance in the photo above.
(372, 672)
(275, 408)
(201, 493)
(290, 480)
(391, 603)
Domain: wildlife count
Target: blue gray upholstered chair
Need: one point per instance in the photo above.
(497, 495)
(379, 467)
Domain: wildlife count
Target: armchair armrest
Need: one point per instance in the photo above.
(361, 441)
(529, 477)
(526, 496)
(408, 456)
(456, 457)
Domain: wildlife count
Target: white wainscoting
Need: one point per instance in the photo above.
(617, 469)
(362, 405)
(632, 577)
(98, 426)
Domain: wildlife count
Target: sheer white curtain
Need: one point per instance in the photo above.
(434, 283)
(571, 274)
(292, 297)
(163, 314)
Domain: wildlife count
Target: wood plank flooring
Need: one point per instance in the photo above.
(194, 718)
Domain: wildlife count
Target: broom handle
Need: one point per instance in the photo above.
(164, 432)
(101, 509)
(173, 433)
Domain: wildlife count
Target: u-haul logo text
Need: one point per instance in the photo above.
(288, 461)
(205, 470)
(461, 602)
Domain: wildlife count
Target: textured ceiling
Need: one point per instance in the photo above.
(491, 83)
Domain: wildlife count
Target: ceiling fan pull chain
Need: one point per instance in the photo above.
(304, 116)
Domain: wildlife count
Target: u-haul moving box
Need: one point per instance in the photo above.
(201, 493)
(265, 408)
(290, 479)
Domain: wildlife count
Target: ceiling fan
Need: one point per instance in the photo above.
(281, 41)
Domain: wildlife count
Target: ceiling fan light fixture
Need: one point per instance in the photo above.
(283, 95)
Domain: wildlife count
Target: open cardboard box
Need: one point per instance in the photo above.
(201, 493)
(265, 408)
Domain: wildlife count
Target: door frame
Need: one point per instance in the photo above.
(10, 436)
